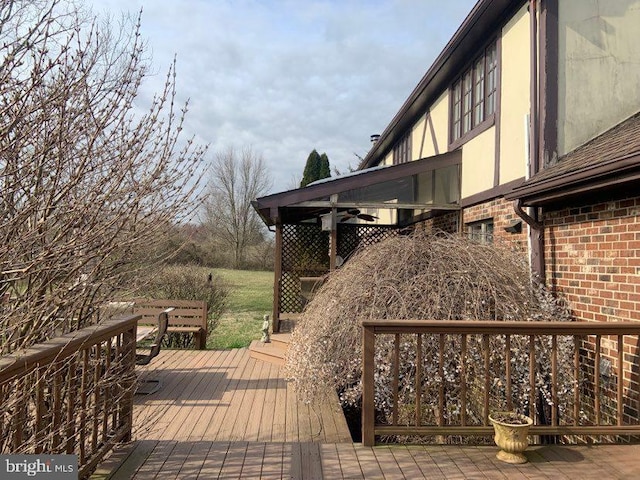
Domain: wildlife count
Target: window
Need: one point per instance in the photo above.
(473, 94)
(481, 232)
(402, 150)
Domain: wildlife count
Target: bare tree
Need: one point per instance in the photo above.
(89, 182)
(236, 180)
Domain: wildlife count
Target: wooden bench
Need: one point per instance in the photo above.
(188, 316)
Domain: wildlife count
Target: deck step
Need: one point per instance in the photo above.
(273, 352)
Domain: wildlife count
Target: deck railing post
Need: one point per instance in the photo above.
(128, 343)
(368, 406)
(587, 413)
(64, 390)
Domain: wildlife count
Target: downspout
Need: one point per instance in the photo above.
(531, 217)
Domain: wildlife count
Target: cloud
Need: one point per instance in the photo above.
(285, 77)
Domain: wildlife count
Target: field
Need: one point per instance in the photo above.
(250, 298)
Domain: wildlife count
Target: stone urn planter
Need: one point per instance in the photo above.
(511, 430)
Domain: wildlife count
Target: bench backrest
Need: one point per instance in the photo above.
(186, 313)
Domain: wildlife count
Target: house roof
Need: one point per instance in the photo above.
(370, 188)
(607, 161)
(476, 29)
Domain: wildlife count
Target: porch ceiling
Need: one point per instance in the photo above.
(392, 187)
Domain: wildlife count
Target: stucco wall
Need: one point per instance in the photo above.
(599, 67)
(515, 96)
(433, 139)
(478, 163)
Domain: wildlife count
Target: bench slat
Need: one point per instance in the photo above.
(187, 317)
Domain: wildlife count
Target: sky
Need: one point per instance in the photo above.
(285, 77)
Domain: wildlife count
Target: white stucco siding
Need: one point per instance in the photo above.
(431, 137)
(599, 67)
(515, 96)
(478, 163)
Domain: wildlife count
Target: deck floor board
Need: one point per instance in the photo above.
(222, 414)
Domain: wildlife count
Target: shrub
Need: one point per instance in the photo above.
(189, 283)
(420, 277)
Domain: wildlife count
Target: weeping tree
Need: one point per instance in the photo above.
(433, 277)
(91, 181)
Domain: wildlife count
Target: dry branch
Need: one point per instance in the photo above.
(418, 276)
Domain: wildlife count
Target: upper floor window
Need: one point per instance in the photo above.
(402, 150)
(473, 94)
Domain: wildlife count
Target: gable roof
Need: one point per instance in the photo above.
(609, 160)
(476, 29)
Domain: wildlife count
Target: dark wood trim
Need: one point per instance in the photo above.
(450, 116)
(471, 134)
(432, 130)
(548, 83)
(333, 240)
(497, 114)
(499, 191)
(277, 274)
(424, 133)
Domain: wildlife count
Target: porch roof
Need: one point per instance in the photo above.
(427, 185)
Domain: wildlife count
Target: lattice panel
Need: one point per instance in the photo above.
(354, 236)
(305, 253)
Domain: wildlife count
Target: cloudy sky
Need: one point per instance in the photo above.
(286, 76)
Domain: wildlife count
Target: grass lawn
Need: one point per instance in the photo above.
(250, 298)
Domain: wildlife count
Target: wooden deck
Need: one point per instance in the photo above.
(222, 414)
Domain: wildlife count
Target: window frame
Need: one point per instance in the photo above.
(466, 120)
(402, 149)
(486, 234)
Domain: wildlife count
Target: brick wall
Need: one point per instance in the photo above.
(503, 215)
(443, 223)
(592, 256)
(500, 210)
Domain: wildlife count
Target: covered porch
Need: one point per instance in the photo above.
(320, 226)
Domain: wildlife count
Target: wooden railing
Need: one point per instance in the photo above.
(72, 394)
(587, 372)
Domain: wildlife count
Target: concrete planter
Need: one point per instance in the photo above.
(511, 430)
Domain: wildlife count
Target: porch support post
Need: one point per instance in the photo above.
(277, 275)
(333, 238)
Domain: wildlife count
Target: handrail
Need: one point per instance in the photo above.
(497, 326)
(538, 350)
(61, 347)
(72, 394)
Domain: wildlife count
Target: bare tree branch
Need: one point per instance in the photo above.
(89, 183)
(236, 179)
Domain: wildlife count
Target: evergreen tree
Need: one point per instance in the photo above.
(325, 170)
(311, 169)
(316, 168)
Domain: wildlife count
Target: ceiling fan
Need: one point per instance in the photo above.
(355, 213)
